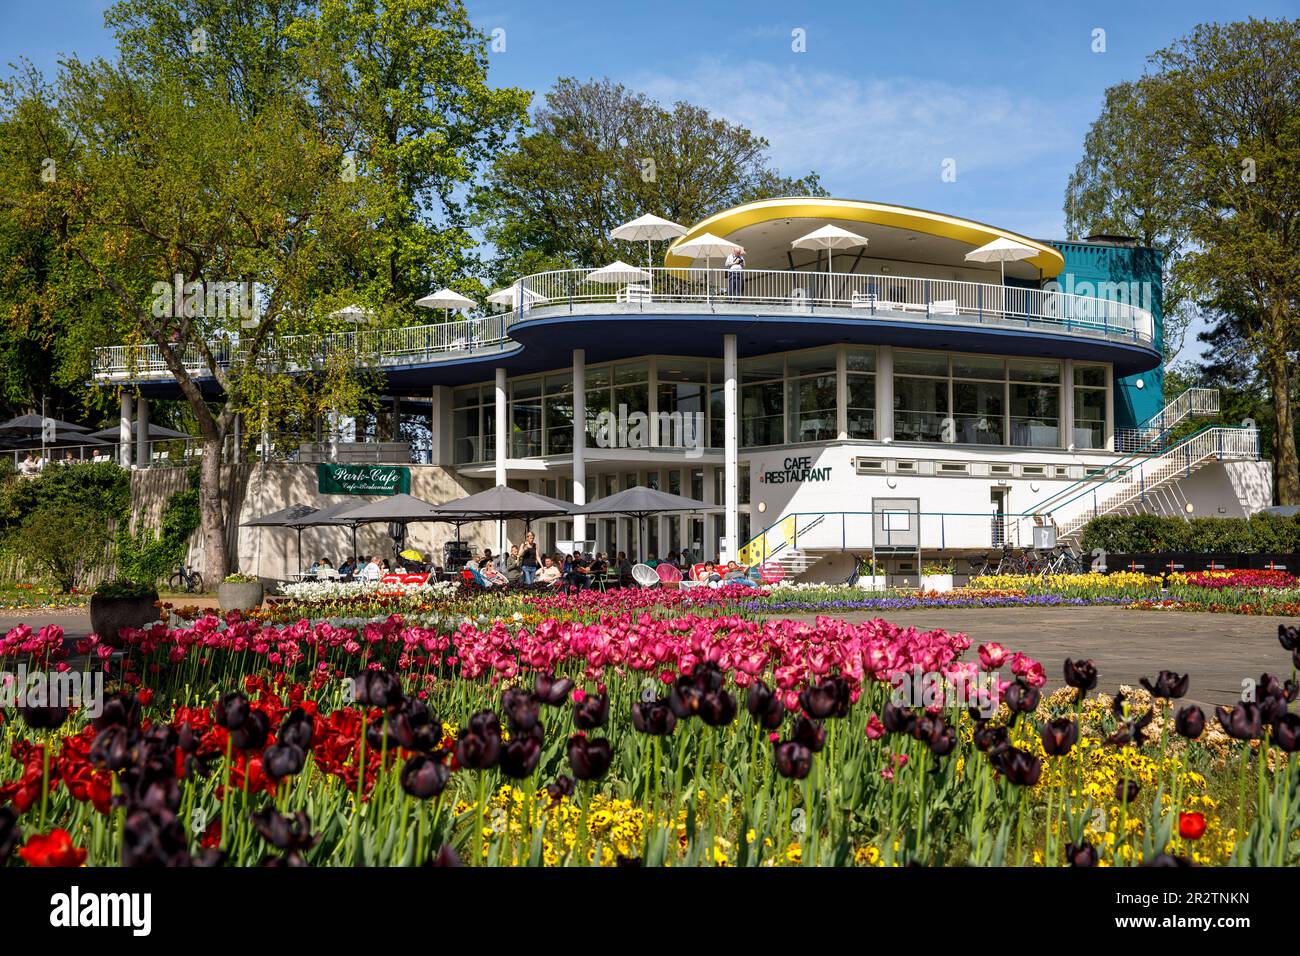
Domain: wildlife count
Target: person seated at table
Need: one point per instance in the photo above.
(486, 560)
(736, 574)
(28, 466)
(599, 566)
(373, 570)
(652, 561)
(549, 573)
(624, 566)
(492, 576)
(577, 572)
(710, 575)
(348, 568)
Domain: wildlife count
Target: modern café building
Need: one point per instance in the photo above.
(892, 397)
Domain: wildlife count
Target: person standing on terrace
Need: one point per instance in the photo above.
(736, 271)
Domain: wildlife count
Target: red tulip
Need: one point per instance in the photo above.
(1191, 826)
(54, 849)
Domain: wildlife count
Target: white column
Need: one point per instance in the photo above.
(731, 446)
(142, 433)
(580, 440)
(503, 438)
(124, 432)
(885, 393)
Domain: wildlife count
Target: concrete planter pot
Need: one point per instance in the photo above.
(240, 597)
(872, 582)
(936, 582)
(108, 615)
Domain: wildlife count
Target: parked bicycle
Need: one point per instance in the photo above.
(186, 579)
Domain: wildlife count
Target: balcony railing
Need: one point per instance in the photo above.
(384, 346)
(870, 298)
(863, 297)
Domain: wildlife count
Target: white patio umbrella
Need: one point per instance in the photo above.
(617, 273)
(1002, 251)
(448, 299)
(704, 246)
(830, 238)
(648, 229)
(506, 296)
(353, 313)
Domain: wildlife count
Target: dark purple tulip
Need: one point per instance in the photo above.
(653, 717)
(1190, 722)
(1022, 698)
(562, 787)
(589, 758)
(447, 856)
(120, 709)
(717, 708)
(283, 760)
(115, 748)
(1081, 854)
(707, 676)
(377, 688)
(591, 712)
(551, 690)
(810, 733)
(829, 698)
(685, 698)
(231, 711)
(296, 728)
(793, 760)
(1243, 721)
(1081, 675)
(988, 738)
(519, 754)
(10, 836)
(415, 728)
(897, 720)
(1127, 792)
(521, 708)
(479, 745)
(1019, 766)
(941, 741)
(423, 776)
(1286, 733)
(1168, 684)
(765, 706)
(43, 718)
(285, 833)
(1288, 637)
(1130, 729)
(1059, 736)
(252, 733)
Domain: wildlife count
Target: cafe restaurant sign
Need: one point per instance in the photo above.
(363, 479)
(794, 471)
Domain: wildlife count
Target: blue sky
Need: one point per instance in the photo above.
(883, 94)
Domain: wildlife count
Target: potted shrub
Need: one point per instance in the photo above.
(937, 576)
(118, 604)
(239, 592)
(871, 576)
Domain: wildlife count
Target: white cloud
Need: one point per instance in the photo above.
(871, 137)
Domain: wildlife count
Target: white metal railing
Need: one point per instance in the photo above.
(160, 453)
(1122, 488)
(137, 362)
(861, 296)
(678, 290)
(1150, 436)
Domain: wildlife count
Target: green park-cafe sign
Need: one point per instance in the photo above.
(363, 479)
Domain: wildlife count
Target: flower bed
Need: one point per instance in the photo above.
(674, 737)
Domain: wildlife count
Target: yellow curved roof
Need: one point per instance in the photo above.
(900, 217)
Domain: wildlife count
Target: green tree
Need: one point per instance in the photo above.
(600, 155)
(1218, 119)
(67, 543)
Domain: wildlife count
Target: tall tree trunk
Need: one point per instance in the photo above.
(212, 518)
(1286, 465)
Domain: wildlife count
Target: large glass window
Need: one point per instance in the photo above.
(683, 397)
(1090, 406)
(861, 375)
(978, 400)
(920, 396)
(762, 401)
(558, 439)
(811, 395)
(526, 418)
(467, 432)
(1035, 392)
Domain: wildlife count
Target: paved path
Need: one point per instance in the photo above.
(1218, 650)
